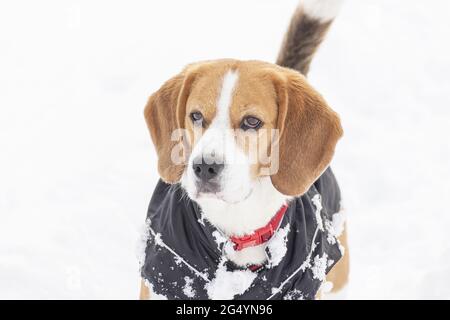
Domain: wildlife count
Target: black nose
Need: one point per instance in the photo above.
(206, 172)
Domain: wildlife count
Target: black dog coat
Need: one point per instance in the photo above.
(184, 255)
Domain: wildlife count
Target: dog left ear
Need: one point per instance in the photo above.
(309, 131)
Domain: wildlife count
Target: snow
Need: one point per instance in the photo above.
(201, 220)
(335, 227)
(317, 202)
(77, 167)
(294, 295)
(219, 238)
(158, 240)
(277, 246)
(178, 260)
(306, 264)
(187, 288)
(319, 267)
(142, 242)
(226, 284)
(326, 287)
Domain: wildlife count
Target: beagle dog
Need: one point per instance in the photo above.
(254, 137)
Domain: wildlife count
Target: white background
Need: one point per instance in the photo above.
(77, 167)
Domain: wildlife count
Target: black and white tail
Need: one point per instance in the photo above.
(308, 27)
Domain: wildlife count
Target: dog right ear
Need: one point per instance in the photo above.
(164, 113)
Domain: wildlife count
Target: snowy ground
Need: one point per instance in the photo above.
(77, 167)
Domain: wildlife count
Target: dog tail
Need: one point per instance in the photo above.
(307, 28)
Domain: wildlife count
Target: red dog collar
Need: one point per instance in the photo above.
(261, 235)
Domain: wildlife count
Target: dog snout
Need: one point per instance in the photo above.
(206, 171)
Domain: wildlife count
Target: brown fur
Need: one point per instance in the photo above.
(145, 291)
(302, 39)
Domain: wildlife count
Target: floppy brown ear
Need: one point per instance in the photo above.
(309, 131)
(164, 112)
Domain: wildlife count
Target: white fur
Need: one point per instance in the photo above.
(243, 205)
(324, 10)
(219, 140)
(252, 255)
(226, 97)
(244, 217)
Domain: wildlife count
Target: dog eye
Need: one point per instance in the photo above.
(251, 123)
(196, 117)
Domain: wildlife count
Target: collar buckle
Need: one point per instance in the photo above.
(265, 235)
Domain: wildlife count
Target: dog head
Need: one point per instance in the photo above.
(220, 126)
